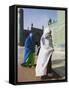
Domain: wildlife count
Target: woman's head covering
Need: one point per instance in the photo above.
(46, 31)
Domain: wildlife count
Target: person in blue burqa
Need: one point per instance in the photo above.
(29, 51)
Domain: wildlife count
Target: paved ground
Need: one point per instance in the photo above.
(28, 74)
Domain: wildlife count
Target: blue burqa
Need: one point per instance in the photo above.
(29, 50)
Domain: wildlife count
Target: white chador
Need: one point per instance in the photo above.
(46, 51)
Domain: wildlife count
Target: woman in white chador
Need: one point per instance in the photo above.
(45, 52)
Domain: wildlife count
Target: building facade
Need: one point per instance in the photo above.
(23, 33)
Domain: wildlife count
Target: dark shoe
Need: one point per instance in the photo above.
(29, 65)
(44, 77)
(25, 65)
(34, 65)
